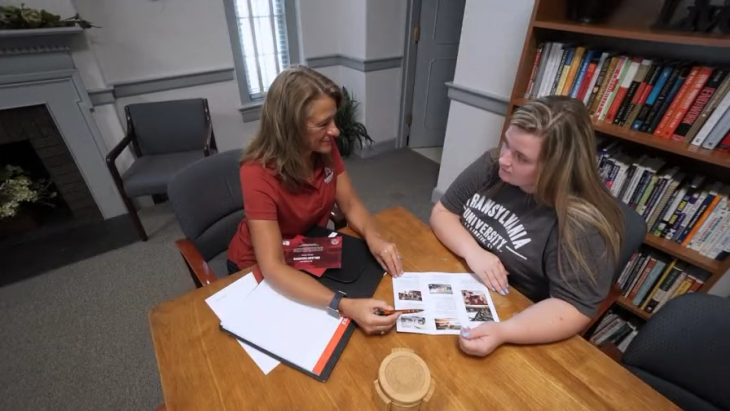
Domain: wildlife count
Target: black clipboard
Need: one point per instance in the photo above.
(359, 277)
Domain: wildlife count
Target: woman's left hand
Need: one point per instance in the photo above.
(482, 340)
(387, 255)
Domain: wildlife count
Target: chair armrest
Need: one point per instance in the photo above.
(209, 140)
(610, 299)
(338, 218)
(195, 262)
(117, 150)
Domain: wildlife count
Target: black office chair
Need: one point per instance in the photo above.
(165, 137)
(634, 233)
(683, 352)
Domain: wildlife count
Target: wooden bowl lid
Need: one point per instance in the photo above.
(404, 377)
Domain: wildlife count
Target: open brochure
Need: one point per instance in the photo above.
(449, 302)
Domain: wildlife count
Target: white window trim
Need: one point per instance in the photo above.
(251, 108)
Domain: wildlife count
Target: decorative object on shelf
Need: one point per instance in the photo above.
(18, 18)
(404, 382)
(351, 130)
(591, 11)
(701, 17)
(723, 18)
(17, 188)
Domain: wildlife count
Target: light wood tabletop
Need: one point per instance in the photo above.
(201, 368)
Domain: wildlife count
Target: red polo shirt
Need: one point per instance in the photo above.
(265, 198)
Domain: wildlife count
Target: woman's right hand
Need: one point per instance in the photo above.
(489, 269)
(362, 311)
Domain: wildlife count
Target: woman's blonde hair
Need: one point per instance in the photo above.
(280, 142)
(568, 179)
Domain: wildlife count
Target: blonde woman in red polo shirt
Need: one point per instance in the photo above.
(292, 175)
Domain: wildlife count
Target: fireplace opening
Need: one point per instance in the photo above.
(35, 157)
(20, 162)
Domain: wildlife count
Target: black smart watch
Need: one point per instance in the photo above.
(333, 308)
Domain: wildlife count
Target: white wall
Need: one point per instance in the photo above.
(319, 27)
(352, 32)
(363, 30)
(386, 26)
(383, 89)
(492, 36)
(146, 39)
(151, 39)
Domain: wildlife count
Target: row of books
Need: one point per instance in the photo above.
(688, 209)
(650, 279)
(678, 100)
(612, 328)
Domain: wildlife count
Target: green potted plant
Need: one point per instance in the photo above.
(351, 130)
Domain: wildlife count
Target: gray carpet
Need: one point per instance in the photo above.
(77, 338)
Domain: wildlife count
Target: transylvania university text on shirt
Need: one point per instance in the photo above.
(502, 229)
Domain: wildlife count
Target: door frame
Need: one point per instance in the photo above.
(408, 73)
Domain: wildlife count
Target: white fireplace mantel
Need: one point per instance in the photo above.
(36, 67)
(25, 41)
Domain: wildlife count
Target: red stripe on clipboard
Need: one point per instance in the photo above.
(327, 353)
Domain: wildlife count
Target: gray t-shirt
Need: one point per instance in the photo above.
(524, 235)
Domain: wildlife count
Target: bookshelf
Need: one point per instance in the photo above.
(628, 31)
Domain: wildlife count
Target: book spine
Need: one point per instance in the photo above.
(677, 100)
(535, 68)
(651, 99)
(597, 98)
(708, 111)
(666, 100)
(688, 100)
(703, 97)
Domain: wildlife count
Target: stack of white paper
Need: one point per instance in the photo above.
(302, 335)
(228, 303)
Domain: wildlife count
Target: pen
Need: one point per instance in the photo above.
(389, 312)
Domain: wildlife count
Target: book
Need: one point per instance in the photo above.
(683, 101)
(450, 301)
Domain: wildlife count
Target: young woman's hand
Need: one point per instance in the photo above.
(489, 269)
(387, 255)
(362, 311)
(482, 340)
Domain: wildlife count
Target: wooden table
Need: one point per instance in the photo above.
(203, 369)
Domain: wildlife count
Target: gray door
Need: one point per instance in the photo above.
(440, 30)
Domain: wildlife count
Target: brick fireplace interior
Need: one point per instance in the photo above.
(30, 139)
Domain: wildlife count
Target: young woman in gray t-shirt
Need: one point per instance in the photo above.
(534, 215)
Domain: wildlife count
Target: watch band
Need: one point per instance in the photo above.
(333, 307)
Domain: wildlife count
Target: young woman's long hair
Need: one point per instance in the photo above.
(280, 142)
(568, 179)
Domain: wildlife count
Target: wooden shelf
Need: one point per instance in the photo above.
(636, 32)
(685, 254)
(626, 303)
(697, 153)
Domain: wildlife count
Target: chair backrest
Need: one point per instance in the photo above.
(634, 232)
(169, 126)
(685, 350)
(207, 201)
